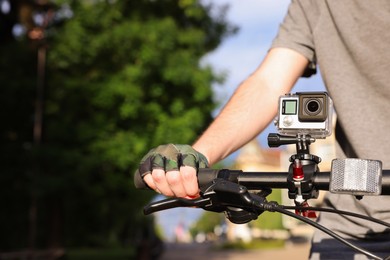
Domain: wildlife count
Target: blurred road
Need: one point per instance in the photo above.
(205, 251)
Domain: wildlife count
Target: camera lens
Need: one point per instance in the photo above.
(313, 107)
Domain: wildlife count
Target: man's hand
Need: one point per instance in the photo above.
(171, 169)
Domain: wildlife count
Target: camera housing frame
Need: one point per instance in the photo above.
(305, 113)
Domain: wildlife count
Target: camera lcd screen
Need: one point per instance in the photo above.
(289, 107)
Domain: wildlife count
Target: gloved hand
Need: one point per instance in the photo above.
(171, 170)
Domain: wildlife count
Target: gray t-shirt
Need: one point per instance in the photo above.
(350, 42)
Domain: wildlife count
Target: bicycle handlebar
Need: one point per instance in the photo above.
(273, 180)
(259, 180)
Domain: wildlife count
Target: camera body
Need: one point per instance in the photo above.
(305, 113)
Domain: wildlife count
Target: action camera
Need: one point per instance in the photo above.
(305, 113)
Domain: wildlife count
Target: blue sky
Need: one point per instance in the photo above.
(239, 55)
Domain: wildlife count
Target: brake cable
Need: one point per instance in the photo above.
(328, 231)
(340, 212)
(273, 206)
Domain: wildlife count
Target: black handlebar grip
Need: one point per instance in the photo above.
(385, 182)
(206, 175)
(139, 182)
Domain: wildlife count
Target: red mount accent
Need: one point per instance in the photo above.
(298, 174)
(305, 213)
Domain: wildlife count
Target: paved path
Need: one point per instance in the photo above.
(205, 251)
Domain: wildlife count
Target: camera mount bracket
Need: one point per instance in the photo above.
(302, 143)
(302, 170)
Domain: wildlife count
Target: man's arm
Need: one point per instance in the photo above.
(248, 112)
(253, 105)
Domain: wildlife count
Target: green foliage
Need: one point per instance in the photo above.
(255, 244)
(122, 77)
(270, 220)
(207, 222)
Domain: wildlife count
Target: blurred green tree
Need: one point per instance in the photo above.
(270, 220)
(122, 77)
(207, 223)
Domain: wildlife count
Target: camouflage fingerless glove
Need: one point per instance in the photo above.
(170, 157)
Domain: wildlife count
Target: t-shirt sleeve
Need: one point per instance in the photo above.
(295, 32)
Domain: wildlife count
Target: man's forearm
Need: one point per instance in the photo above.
(247, 113)
(253, 105)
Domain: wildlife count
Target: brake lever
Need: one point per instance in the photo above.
(221, 195)
(208, 200)
(174, 203)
